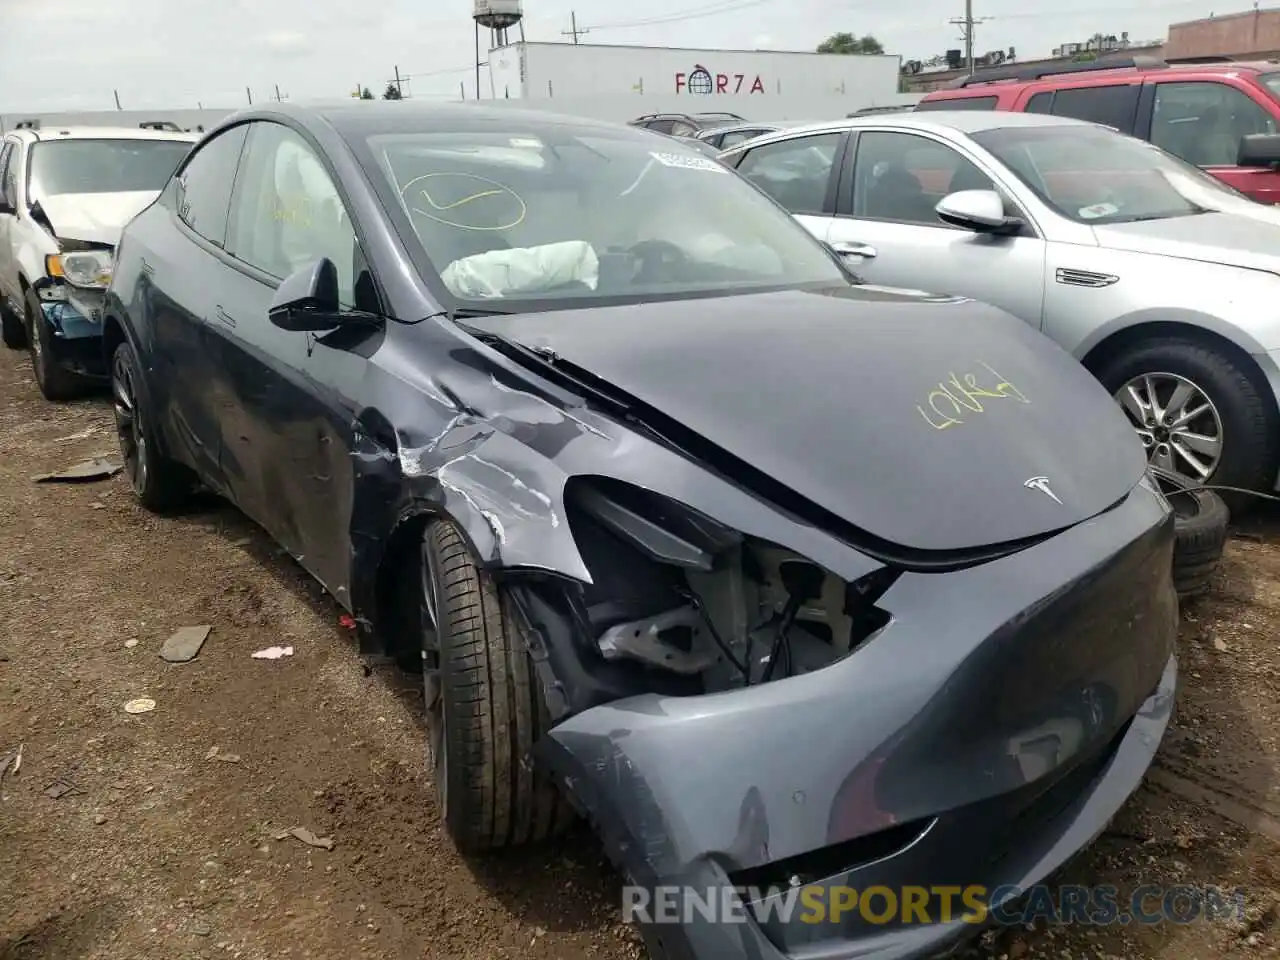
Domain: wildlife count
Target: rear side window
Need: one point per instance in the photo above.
(1041, 103)
(1113, 105)
(960, 103)
(796, 172)
(204, 185)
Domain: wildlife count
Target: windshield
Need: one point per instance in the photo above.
(1096, 176)
(582, 217)
(102, 166)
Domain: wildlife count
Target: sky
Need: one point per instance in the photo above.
(72, 54)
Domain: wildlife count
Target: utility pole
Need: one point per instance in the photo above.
(966, 25)
(573, 30)
(399, 89)
(117, 93)
(249, 93)
(278, 97)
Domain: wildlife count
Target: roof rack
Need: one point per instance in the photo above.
(719, 113)
(1052, 70)
(1206, 59)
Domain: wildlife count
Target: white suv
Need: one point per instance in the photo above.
(65, 194)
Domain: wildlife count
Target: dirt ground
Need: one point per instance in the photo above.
(122, 838)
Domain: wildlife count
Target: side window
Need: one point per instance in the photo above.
(287, 213)
(203, 190)
(1202, 122)
(661, 126)
(1114, 105)
(1041, 103)
(681, 129)
(796, 172)
(9, 173)
(901, 177)
(738, 136)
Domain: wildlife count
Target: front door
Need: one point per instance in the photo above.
(888, 230)
(290, 458)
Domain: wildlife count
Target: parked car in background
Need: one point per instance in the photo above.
(64, 195)
(1224, 117)
(655, 495)
(685, 124)
(1161, 279)
(722, 138)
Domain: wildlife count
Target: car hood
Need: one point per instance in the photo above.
(94, 217)
(1250, 239)
(931, 423)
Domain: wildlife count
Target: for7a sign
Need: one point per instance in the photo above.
(700, 80)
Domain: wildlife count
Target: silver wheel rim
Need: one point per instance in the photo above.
(129, 426)
(1179, 426)
(437, 752)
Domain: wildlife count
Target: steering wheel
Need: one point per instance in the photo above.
(657, 257)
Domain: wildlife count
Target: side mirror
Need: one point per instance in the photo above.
(979, 210)
(308, 299)
(1258, 150)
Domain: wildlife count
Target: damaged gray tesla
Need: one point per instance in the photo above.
(781, 580)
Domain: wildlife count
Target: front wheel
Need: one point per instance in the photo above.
(54, 382)
(159, 483)
(484, 709)
(1197, 412)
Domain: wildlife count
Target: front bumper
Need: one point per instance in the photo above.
(985, 736)
(74, 318)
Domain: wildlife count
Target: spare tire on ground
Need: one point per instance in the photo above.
(1200, 525)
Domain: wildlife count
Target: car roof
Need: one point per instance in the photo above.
(103, 133)
(361, 118)
(985, 82)
(933, 121)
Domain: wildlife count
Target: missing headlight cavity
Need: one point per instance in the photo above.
(678, 592)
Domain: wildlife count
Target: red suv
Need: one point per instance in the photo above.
(1223, 116)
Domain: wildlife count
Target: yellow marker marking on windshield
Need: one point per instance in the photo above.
(519, 210)
(956, 397)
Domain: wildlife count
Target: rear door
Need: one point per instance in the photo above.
(801, 173)
(887, 228)
(1202, 122)
(182, 238)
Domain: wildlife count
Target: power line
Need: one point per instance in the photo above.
(724, 6)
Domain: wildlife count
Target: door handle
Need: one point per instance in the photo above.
(146, 268)
(223, 316)
(866, 251)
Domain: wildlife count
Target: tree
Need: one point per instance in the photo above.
(391, 93)
(848, 43)
(367, 94)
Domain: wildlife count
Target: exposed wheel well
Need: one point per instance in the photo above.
(1147, 332)
(112, 337)
(395, 600)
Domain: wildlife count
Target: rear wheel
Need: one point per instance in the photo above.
(54, 382)
(159, 483)
(1198, 413)
(484, 709)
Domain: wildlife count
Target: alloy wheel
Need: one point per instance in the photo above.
(129, 424)
(437, 751)
(1178, 424)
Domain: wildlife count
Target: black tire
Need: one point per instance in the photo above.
(1251, 433)
(12, 330)
(1200, 525)
(54, 382)
(484, 709)
(160, 484)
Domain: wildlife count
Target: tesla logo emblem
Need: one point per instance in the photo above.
(1041, 484)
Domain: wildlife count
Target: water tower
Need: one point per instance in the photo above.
(498, 16)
